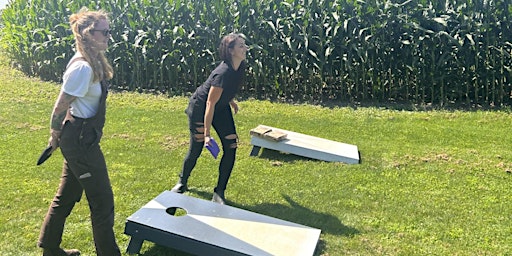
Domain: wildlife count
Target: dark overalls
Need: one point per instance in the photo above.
(84, 170)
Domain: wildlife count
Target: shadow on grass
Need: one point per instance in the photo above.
(302, 215)
(159, 250)
(393, 104)
(299, 214)
(275, 155)
(294, 213)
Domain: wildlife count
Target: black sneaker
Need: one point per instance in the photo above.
(60, 252)
(179, 188)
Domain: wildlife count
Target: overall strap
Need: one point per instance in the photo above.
(102, 108)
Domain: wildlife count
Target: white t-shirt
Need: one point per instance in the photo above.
(78, 82)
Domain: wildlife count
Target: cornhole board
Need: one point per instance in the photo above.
(212, 229)
(308, 146)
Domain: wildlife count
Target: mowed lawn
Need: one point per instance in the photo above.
(430, 182)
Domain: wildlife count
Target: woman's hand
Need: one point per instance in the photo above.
(54, 139)
(207, 140)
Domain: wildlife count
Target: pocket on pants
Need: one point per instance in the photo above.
(89, 137)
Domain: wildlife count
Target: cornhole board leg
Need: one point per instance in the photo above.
(142, 232)
(309, 146)
(134, 245)
(255, 150)
(209, 228)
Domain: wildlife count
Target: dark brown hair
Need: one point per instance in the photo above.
(227, 43)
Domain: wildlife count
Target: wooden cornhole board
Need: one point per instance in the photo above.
(307, 146)
(212, 229)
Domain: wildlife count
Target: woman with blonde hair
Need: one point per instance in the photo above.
(76, 127)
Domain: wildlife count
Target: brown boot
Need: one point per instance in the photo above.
(60, 252)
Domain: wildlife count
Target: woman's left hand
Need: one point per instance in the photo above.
(207, 140)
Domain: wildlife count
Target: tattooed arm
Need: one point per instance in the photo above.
(59, 113)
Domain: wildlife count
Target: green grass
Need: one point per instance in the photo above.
(430, 182)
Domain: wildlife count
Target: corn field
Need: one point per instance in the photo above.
(439, 52)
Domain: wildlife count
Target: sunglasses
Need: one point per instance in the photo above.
(105, 32)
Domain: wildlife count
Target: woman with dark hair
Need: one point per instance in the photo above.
(76, 127)
(210, 105)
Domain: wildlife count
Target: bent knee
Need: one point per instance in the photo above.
(233, 140)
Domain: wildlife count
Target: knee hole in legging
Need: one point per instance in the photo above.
(199, 135)
(233, 138)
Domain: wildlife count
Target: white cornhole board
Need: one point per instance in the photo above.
(212, 229)
(308, 146)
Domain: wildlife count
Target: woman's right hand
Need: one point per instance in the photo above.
(54, 139)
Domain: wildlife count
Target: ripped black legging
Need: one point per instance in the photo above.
(224, 125)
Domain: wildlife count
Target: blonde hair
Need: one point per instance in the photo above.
(81, 24)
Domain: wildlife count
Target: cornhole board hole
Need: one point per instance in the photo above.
(305, 145)
(212, 229)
